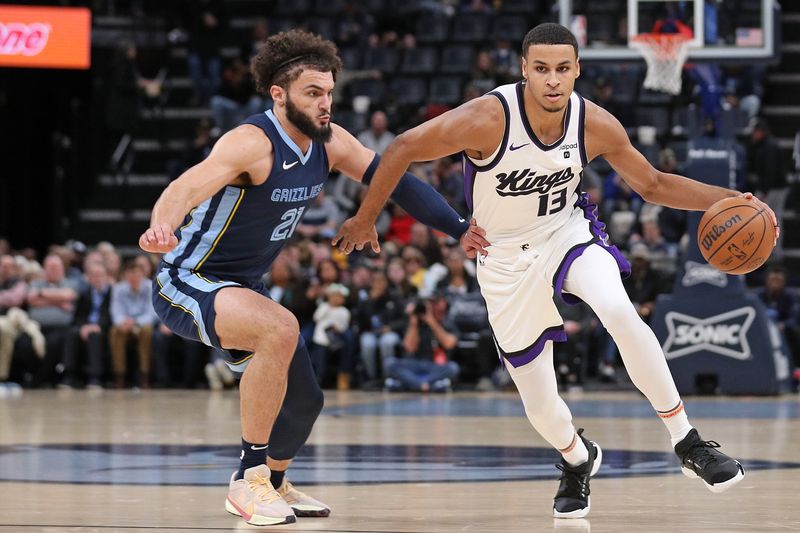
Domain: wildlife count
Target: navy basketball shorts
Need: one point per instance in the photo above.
(184, 301)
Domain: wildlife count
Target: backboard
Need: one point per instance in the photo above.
(724, 30)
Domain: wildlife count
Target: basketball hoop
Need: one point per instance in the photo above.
(665, 54)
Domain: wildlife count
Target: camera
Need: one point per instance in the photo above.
(420, 307)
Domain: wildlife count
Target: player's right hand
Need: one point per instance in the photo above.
(158, 239)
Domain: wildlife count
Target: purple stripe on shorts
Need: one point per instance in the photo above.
(523, 357)
(600, 237)
(469, 180)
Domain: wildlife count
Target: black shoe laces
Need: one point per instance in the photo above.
(701, 454)
(573, 483)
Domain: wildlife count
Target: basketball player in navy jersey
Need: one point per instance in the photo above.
(525, 145)
(223, 222)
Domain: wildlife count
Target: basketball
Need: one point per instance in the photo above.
(736, 236)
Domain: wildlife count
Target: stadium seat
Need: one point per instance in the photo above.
(374, 89)
(471, 27)
(525, 7)
(509, 27)
(352, 57)
(432, 29)
(384, 59)
(457, 59)
(408, 90)
(657, 117)
(419, 60)
(329, 7)
(293, 7)
(445, 90)
(325, 27)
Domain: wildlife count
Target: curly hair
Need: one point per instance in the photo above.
(283, 57)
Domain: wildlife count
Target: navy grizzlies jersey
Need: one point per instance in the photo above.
(238, 232)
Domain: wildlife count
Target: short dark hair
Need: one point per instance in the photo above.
(283, 57)
(549, 33)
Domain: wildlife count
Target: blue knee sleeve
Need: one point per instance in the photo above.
(301, 407)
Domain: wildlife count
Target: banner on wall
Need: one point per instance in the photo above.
(45, 37)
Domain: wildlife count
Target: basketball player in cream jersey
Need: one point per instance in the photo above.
(524, 147)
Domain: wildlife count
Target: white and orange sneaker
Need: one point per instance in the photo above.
(301, 503)
(256, 500)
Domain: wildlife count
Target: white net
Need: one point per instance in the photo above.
(665, 54)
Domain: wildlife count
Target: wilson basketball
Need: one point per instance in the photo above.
(736, 236)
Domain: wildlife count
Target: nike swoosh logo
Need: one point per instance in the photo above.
(461, 220)
(256, 448)
(287, 167)
(512, 147)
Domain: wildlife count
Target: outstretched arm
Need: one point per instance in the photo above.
(607, 138)
(238, 152)
(476, 126)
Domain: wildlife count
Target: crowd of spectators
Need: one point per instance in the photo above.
(410, 318)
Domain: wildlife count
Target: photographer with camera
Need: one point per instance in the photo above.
(427, 344)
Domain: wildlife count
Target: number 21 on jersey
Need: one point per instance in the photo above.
(290, 219)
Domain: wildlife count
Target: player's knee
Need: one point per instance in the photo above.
(617, 316)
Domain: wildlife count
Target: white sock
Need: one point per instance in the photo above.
(677, 423)
(576, 453)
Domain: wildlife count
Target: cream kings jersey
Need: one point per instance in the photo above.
(527, 189)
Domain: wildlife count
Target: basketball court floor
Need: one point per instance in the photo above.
(160, 461)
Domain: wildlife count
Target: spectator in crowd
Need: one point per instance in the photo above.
(415, 266)
(13, 288)
(400, 224)
(235, 98)
(506, 62)
(379, 315)
(132, 317)
(422, 239)
(377, 137)
(399, 283)
(484, 75)
(783, 308)
(321, 219)
(89, 329)
(427, 345)
(570, 357)
(205, 39)
(457, 281)
(258, 35)
(332, 336)
(765, 165)
(51, 303)
(196, 149)
(663, 255)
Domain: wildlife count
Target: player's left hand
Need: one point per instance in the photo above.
(750, 196)
(354, 235)
(473, 242)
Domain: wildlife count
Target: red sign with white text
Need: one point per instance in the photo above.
(45, 37)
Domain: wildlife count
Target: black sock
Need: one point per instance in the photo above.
(252, 455)
(276, 477)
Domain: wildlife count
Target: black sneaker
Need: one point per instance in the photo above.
(699, 458)
(572, 498)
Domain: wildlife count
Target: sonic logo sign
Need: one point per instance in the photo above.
(45, 37)
(724, 334)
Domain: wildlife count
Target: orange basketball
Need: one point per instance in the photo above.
(736, 236)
